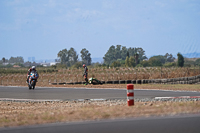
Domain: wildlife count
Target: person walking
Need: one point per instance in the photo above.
(85, 74)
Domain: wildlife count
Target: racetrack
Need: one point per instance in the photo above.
(83, 93)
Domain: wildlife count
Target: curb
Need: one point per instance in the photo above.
(49, 100)
(181, 80)
(177, 97)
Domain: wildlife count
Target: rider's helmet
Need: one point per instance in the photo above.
(33, 67)
(83, 65)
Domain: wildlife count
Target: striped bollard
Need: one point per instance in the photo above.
(130, 94)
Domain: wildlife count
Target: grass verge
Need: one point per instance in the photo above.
(29, 113)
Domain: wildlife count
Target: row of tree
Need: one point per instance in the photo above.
(13, 60)
(70, 57)
(121, 52)
(116, 56)
(132, 61)
(132, 57)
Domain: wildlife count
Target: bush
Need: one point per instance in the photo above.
(145, 63)
(197, 62)
(170, 64)
(130, 62)
(97, 64)
(77, 65)
(155, 62)
(115, 64)
(59, 65)
(139, 65)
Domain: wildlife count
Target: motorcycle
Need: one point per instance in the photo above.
(32, 80)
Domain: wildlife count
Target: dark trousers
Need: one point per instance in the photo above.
(86, 79)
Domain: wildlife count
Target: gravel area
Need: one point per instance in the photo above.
(102, 100)
(17, 113)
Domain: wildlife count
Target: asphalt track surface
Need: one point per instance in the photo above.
(44, 93)
(167, 124)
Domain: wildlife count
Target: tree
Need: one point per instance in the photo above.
(127, 61)
(132, 62)
(16, 60)
(109, 57)
(141, 53)
(169, 57)
(85, 55)
(3, 59)
(114, 54)
(180, 60)
(72, 56)
(118, 52)
(63, 55)
(67, 57)
(127, 54)
(131, 51)
(124, 53)
(136, 58)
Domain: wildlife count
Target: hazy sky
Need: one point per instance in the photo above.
(41, 28)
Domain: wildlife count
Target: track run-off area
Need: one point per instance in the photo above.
(53, 93)
(182, 123)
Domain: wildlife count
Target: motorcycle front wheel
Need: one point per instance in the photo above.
(29, 86)
(33, 85)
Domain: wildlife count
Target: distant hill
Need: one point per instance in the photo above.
(97, 59)
(94, 60)
(192, 55)
(45, 60)
(187, 55)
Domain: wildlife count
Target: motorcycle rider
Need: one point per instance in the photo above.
(85, 73)
(33, 68)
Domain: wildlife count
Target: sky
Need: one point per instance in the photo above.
(41, 28)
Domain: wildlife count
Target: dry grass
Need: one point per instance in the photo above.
(17, 114)
(103, 74)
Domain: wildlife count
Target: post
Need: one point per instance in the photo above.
(130, 94)
(161, 72)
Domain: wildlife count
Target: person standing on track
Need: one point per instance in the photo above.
(85, 73)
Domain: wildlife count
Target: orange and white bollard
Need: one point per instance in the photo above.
(130, 94)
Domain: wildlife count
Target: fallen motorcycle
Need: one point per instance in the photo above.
(32, 80)
(94, 81)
